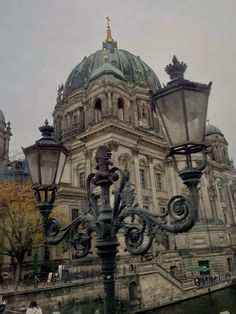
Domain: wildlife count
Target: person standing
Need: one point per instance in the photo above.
(34, 308)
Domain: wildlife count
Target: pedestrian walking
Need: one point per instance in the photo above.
(56, 310)
(34, 308)
(3, 304)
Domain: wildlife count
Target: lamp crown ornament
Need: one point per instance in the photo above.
(46, 129)
(176, 69)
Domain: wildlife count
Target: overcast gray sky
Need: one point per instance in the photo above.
(43, 40)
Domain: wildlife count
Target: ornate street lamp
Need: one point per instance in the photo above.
(46, 160)
(182, 106)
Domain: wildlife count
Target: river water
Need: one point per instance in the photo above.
(213, 303)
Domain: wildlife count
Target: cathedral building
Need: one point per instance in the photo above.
(106, 100)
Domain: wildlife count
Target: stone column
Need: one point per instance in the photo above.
(212, 194)
(88, 161)
(205, 199)
(128, 116)
(109, 103)
(153, 184)
(231, 204)
(135, 152)
(134, 111)
(87, 120)
(115, 104)
(218, 202)
(114, 147)
(150, 115)
(104, 104)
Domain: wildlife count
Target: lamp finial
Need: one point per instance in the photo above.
(46, 129)
(176, 69)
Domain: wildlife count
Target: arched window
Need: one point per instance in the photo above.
(159, 177)
(98, 110)
(120, 109)
(133, 292)
(144, 112)
(144, 174)
(124, 161)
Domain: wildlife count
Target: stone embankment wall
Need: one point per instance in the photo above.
(140, 290)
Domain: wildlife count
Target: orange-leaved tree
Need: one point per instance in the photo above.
(20, 224)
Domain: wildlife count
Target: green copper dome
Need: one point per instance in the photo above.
(212, 129)
(130, 66)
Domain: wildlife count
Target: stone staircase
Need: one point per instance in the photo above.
(184, 285)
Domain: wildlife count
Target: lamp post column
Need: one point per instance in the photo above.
(107, 245)
(107, 250)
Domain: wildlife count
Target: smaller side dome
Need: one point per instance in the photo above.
(211, 129)
(2, 118)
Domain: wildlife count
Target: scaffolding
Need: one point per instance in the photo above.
(16, 169)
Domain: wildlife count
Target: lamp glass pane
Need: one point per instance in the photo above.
(32, 159)
(173, 118)
(60, 168)
(48, 166)
(196, 110)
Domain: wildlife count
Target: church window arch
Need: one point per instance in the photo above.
(124, 161)
(120, 109)
(133, 292)
(159, 177)
(98, 110)
(79, 175)
(144, 112)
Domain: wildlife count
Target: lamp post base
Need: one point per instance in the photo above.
(107, 250)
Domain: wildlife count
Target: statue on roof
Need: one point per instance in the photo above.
(60, 93)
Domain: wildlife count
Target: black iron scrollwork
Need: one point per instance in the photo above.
(140, 227)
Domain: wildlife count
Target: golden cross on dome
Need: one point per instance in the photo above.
(108, 20)
(109, 43)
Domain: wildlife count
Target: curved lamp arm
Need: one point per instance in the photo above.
(140, 226)
(181, 209)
